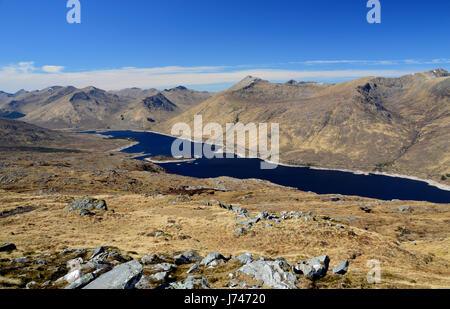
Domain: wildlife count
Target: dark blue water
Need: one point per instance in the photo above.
(303, 178)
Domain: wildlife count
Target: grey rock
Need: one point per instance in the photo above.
(87, 203)
(85, 212)
(212, 257)
(21, 260)
(124, 276)
(407, 209)
(240, 231)
(97, 252)
(164, 267)
(247, 224)
(71, 277)
(161, 277)
(267, 216)
(245, 258)
(272, 274)
(31, 285)
(193, 269)
(39, 261)
(190, 283)
(181, 259)
(238, 209)
(254, 220)
(151, 259)
(342, 268)
(193, 256)
(96, 264)
(7, 247)
(144, 283)
(81, 282)
(241, 216)
(74, 264)
(314, 268)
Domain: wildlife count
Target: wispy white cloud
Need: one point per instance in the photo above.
(52, 68)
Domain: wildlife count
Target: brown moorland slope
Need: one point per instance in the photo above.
(150, 211)
(397, 125)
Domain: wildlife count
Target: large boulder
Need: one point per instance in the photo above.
(272, 274)
(314, 268)
(87, 204)
(124, 276)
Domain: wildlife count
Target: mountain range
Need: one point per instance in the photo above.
(399, 125)
(396, 125)
(92, 108)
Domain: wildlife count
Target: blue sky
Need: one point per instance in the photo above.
(212, 44)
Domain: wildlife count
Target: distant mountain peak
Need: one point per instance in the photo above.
(159, 102)
(247, 82)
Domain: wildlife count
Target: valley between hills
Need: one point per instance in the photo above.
(373, 124)
(74, 211)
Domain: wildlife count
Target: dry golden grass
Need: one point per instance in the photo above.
(413, 248)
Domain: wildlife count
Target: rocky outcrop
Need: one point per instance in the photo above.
(87, 204)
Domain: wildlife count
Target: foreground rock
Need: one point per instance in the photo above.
(124, 276)
(314, 268)
(272, 274)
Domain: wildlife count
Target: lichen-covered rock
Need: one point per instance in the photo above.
(88, 204)
(124, 276)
